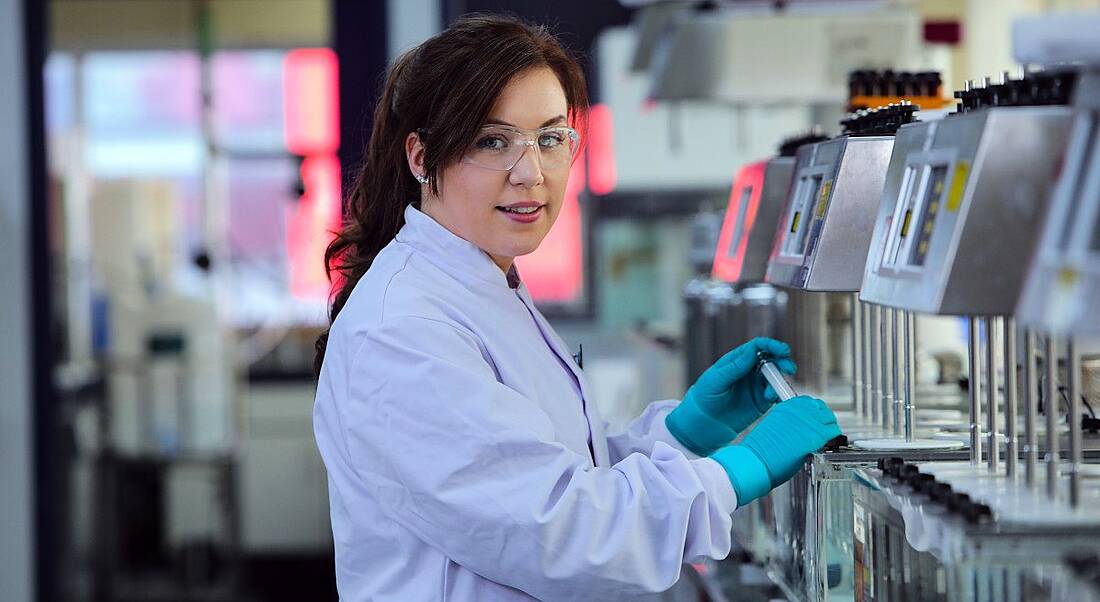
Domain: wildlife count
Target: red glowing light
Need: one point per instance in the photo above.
(554, 271)
(312, 101)
(727, 261)
(310, 226)
(311, 120)
(601, 150)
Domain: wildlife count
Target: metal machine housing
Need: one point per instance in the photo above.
(825, 228)
(756, 202)
(961, 202)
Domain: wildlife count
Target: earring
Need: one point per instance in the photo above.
(421, 179)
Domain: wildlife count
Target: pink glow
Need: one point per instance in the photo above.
(310, 226)
(728, 262)
(312, 111)
(554, 272)
(601, 150)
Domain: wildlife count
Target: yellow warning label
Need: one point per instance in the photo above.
(823, 198)
(794, 222)
(958, 185)
(1067, 277)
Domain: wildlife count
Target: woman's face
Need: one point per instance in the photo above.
(504, 213)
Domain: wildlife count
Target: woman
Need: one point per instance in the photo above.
(465, 458)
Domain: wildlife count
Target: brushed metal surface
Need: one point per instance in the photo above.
(1062, 287)
(825, 228)
(996, 168)
(777, 180)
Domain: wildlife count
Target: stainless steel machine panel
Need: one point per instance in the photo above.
(959, 211)
(823, 233)
(1062, 290)
(756, 203)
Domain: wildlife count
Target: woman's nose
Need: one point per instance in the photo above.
(528, 170)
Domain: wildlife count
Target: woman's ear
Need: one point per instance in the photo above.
(414, 153)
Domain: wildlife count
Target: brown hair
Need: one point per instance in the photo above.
(445, 86)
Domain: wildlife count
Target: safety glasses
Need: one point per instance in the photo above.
(500, 147)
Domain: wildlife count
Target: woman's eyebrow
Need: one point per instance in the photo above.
(550, 121)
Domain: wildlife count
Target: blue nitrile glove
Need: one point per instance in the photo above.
(728, 397)
(776, 447)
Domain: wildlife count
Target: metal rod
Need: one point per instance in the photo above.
(1031, 411)
(857, 374)
(875, 371)
(886, 381)
(975, 386)
(1073, 372)
(896, 354)
(1012, 451)
(865, 335)
(1050, 406)
(910, 371)
(821, 341)
(992, 414)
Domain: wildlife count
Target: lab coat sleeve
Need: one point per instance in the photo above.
(473, 469)
(641, 434)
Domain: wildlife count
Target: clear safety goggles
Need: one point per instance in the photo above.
(500, 147)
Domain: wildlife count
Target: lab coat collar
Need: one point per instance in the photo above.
(453, 253)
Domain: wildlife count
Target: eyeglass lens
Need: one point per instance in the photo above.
(501, 148)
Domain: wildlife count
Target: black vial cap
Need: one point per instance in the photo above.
(940, 493)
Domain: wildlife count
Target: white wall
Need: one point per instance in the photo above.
(84, 25)
(16, 488)
(987, 32)
(410, 22)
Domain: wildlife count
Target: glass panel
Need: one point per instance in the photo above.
(261, 195)
(739, 224)
(141, 94)
(248, 100)
(929, 209)
(800, 221)
(142, 111)
(902, 215)
(60, 86)
(1084, 146)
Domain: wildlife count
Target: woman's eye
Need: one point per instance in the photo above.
(550, 140)
(491, 143)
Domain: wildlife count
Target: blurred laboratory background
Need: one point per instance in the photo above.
(173, 171)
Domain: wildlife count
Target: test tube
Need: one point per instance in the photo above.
(784, 390)
(775, 378)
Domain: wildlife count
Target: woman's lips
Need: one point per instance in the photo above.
(529, 216)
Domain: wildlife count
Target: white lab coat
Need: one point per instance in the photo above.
(466, 461)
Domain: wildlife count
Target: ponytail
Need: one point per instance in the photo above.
(375, 210)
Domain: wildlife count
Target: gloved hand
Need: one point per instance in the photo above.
(728, 397)
(775, 448)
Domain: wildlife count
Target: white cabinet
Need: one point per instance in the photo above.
(283, 486)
